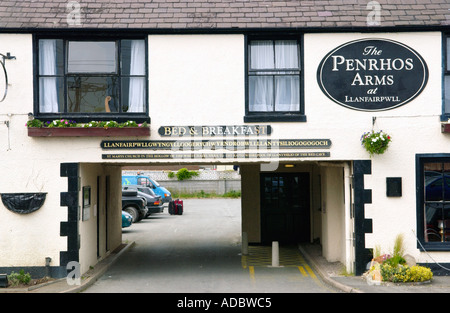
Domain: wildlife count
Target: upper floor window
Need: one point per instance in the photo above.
(92, 79)
(274, 81)
(447, 75)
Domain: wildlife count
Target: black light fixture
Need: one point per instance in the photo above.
(8, 56)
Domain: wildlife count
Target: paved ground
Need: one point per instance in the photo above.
(170, 260)
(200, 252)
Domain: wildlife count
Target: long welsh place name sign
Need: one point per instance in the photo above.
(372, 74)
(211, 148)
(207, 149)
(214, 144)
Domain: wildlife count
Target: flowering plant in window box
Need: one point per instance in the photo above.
(64, 128)
(114, 124)
(60, 123)
(375, 142)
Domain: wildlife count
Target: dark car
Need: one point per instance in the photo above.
(154, 201)
(437, 207)
(134, 204)
(437, 187)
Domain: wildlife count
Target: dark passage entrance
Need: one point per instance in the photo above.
(285, 207)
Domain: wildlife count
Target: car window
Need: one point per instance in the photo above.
(144, 190)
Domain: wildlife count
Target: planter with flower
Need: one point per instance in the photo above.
(396, 267)
(375, 142)
(70, 128)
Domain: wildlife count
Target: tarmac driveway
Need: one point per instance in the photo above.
(200, 252)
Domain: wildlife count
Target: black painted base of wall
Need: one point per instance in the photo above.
(438, 270)
(37, 271)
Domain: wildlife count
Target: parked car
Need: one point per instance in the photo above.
(146, 181)
(134, 204)
(437, 187)
(154, 202)
(127, 219)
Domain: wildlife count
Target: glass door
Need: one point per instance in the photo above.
(285, 206)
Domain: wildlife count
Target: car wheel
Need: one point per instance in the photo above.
(133, 212)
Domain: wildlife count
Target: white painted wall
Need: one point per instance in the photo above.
(199, 80)
(196, 80)
(414, 127)
(333, 242)
(25, 167)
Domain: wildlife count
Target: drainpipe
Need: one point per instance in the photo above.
(47, 266)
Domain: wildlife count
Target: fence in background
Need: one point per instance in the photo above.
(210, 181)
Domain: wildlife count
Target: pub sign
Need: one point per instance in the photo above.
(372, 74)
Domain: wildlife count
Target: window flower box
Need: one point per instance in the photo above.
(65, 128)
(445, 127)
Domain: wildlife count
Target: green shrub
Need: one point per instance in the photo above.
(16, 279)
(35, 123)
(420, 273)
(395, 261)
(404, 273)
(184, 173)
(203, 194)
(232, 194)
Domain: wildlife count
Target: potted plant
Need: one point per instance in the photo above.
(375, 142)
(394, 267)
(70, 128)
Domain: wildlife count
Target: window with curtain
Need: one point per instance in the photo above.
(274, 80)
(447, 75)
(87, 79)
(433, 211)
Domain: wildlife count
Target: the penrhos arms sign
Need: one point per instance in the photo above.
(372, 74)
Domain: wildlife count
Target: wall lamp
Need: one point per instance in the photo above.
(8, 56)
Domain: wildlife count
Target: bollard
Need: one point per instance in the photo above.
(275, 254)
(244, 243)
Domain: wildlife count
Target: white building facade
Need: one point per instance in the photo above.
(286, 102)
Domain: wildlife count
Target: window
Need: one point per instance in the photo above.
(92, 79)
(274, 81)
(446, 59)
(433, 210)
